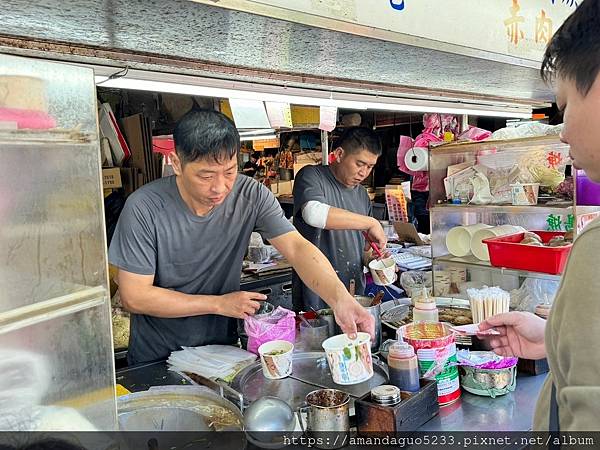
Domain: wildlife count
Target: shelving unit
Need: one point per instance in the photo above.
(445, 216)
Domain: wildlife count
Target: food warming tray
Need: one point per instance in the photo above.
(310, 372)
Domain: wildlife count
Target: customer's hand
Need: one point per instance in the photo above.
(521, 334)
(240, 305)
(376, 235)
(352, 317)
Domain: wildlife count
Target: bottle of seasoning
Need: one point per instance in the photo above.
(425, 309)
(403, 367)
(386, 395)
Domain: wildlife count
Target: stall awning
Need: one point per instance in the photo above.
(191, 38)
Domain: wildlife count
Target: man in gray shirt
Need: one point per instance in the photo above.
(180, 242)
(331, 208)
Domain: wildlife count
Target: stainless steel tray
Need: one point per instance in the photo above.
(310, 372)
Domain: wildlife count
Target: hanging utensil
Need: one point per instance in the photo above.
(352, 288)
(373, 245)
(377, 299)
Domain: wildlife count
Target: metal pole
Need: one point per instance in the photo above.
(325, 147)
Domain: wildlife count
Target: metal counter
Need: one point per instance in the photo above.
(511, 412)
(254, 282)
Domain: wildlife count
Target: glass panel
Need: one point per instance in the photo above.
(51, 232)
(500, 159)
(58, 374)
(447, 217)
(57, 92)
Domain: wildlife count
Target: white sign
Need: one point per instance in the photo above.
(513, 28)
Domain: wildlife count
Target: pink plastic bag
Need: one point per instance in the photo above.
(474, 134)
(281, 324)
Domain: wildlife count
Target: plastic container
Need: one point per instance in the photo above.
(403, 367)
(588, 192)
(488, 382)
(425, 309)
(479, 249)
(436, 353)
(458, 239)
(508, 252)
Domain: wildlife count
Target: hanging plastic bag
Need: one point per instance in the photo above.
(280, 324)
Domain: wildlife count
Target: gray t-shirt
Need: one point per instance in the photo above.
(343, 248)
(157, 234)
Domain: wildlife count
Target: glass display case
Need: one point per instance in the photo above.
(56, 350)
(452, 166)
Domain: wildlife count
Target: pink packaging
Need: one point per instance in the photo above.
(280, 324)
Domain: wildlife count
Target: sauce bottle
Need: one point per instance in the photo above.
(425, 309)
(403, 367)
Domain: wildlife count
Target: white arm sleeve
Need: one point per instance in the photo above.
(315, 213)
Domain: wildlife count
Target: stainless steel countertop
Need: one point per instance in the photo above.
(510, 412)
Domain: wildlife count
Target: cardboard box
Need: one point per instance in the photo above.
(309, 158)
(111, 178)
(282, 187)
(298, 166)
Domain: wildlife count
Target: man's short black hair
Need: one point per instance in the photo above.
(355, 139)
(574, 50)
(203, 134)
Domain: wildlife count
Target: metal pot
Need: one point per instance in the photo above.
(328, 412)
(286, 174)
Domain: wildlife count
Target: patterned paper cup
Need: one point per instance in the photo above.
(383, 271)
(349, 360)
(276, 359)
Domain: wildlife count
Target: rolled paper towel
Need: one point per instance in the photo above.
(417, 159)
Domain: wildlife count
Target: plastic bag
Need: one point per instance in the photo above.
(485, 360)
(280, 324)
(413, 282)
(258, 252)
(532, 292)
(474, 134)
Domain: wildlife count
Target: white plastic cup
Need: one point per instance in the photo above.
(349, 360)
(383, 271)
(276, 365)
(458, 239)
(479, 249)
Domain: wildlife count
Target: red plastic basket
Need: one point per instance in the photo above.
(506, 251)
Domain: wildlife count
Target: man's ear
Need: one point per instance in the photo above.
(338, 153)
(176, 164)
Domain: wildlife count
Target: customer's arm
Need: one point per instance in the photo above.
(140, 296)
(318, 274)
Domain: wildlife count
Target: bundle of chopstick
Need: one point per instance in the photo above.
(488, 302)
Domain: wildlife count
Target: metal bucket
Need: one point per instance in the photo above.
(375, 311)
(328, 418)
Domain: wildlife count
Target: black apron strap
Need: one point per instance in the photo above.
(554, 426)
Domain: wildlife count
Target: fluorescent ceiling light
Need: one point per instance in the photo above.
(189, 85)
(253, 132)
(259, 137)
